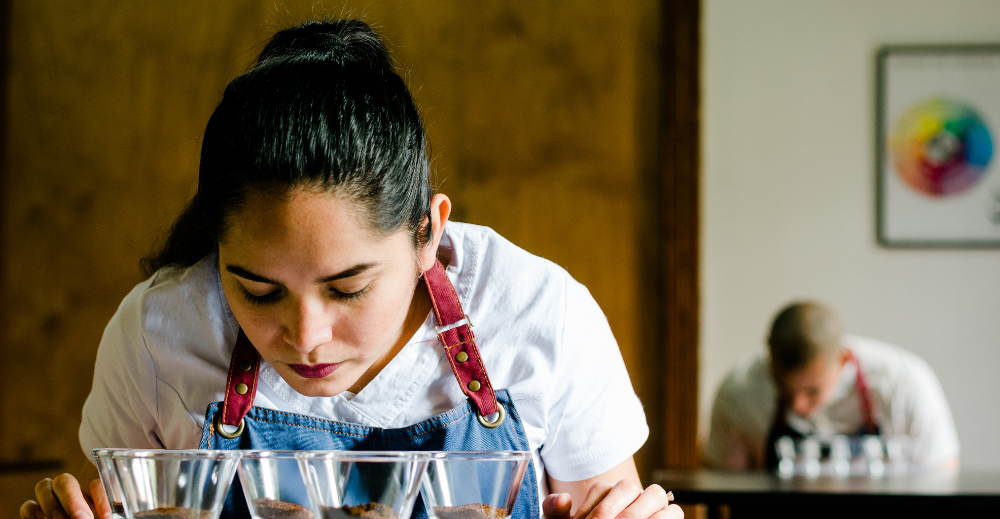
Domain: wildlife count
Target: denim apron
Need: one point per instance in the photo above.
(487, 421)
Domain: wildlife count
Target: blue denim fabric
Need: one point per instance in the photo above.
(456, 430)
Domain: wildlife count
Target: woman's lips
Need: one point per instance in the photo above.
(315, 370)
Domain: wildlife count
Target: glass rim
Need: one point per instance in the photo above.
(480, 455)
(97, 453)
(382, 456)
(169, 454)
(362, 456)
(268, 454)
(115, 449)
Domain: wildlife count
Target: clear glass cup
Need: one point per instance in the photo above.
(785, 447)
(840, 455)
(174, 484)
(872, 446)
(372, 485)
(273, 485)
(473, 485)
(811, 451)
(109, 480)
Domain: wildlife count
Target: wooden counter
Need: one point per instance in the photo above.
(760, 494)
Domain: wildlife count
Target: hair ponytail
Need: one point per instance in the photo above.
(322, 108)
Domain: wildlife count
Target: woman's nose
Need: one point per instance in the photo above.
(308, 326)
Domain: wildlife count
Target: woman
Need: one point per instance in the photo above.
(311, 296)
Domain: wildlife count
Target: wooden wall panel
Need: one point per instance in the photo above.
(679, 223)
(542, 120)
(5, 35)
(107, 102)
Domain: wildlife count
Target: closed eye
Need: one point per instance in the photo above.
(262, 300)
(348, 296)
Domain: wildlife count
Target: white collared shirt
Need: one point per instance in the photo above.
(165, 356)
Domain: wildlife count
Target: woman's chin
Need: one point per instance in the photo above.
(315, 388)
(327, 386)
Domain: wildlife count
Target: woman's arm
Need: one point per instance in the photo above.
(616, 494)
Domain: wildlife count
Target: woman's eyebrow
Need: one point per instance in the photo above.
(246, 274)
(353, 271)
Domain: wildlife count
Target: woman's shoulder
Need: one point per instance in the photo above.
(167, 351)
(482, 262)
(544, 338)
(510, 294)
(180, 309)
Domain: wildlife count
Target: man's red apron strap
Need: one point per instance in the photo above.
(455, 332)
(870, 425)
(242, 383)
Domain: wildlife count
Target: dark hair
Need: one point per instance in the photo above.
(324, 109)
(802, 332)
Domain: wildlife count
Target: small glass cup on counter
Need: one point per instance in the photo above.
(173, 484)
(371, 484)
(273, 485)
(473, 485)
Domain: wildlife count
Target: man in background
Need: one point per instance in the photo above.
(815, 380)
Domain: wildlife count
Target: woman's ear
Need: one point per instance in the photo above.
(440, 210)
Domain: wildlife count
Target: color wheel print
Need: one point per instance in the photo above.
(941, 147)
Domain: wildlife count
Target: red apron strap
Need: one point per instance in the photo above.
(455, 332)
(871, 426)
(241, 385)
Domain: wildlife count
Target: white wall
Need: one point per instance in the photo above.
(789, 196)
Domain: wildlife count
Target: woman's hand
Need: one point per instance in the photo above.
(63, 498)
(597, 498)
(622, 500)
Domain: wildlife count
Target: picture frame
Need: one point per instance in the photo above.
(937, 125)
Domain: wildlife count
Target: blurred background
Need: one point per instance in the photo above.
(560, 124)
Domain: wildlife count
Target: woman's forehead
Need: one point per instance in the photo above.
(306, 212)
(302, 223)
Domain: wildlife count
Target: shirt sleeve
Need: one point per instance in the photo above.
(120, 411)
(931, 428)
(595, 420)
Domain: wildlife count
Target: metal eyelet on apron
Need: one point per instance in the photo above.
(494, 424)
(222, 432)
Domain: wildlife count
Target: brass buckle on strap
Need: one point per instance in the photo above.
(222, 432)
(463, 321)
(494, 424)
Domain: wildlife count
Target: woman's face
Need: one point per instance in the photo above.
(322, 298)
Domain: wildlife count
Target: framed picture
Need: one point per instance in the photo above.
(938, 118)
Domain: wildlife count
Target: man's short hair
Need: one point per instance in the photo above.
(802, 332)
